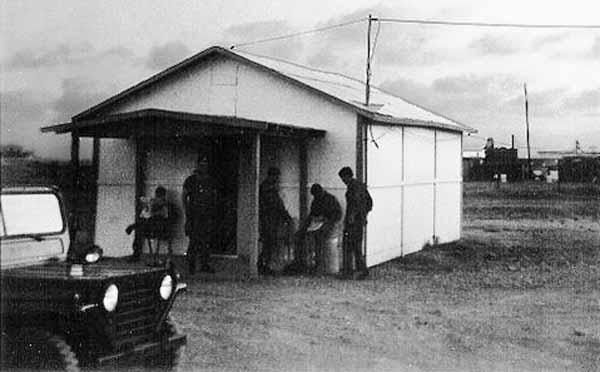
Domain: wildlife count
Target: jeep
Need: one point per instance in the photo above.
(61, 310)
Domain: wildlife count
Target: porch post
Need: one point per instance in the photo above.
(140, 180)
(96, 173)
(74, 215)
(300, 252)
(248, 199)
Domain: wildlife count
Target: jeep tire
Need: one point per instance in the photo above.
(170, 359)
(33, 348)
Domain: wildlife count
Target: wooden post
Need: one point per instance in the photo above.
(254, 222)
(248, 204)
(140, 165)
(74, 215)
(96, 173)
(299, 252)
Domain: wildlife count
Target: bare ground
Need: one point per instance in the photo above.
(519, 292)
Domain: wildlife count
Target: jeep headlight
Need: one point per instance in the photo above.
(111, 298)
(166, 287)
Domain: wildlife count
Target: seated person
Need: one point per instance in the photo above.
(153, 220)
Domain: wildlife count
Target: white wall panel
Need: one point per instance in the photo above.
(448, 155)
(384, 179)
(418, 220)
(384, 227)
(419, 154)
(116, 162)
(116, 196)
(447, 212)
(116, 210)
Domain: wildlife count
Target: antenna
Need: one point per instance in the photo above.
(527, 123)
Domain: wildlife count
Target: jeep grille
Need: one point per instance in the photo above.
(136, 315)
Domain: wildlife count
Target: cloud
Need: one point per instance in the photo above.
(344, 48)
(587, 101)
(61, 54)
(165, 55)
(22, 113)
(22, 107)
(542, 103)
(290, 49)
(78, 94)
(467, 98)
(64, 54)
(494, 45)
(119, 51)
(550, 40)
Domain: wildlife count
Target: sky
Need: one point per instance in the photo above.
(58, 58)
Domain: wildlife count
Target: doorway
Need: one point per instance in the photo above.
(223, 156)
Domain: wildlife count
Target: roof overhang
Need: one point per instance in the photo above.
(390, 120)
(164, 123)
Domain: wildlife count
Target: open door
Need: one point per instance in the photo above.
(224, 168)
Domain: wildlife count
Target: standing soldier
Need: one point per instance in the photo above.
(198, 196)
(272, 214)
(358, 205)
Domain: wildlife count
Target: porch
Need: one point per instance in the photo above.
(133, 152)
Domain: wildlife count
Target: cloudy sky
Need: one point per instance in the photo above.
(60, 57)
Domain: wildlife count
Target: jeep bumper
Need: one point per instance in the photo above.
(146, 349)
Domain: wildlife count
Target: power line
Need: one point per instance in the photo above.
(296, 34)
(421, 22)
(485, 24)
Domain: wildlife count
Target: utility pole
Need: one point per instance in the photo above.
(527, 123)
(368, 77)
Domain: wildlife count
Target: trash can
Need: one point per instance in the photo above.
(324, 244)
(332, 251)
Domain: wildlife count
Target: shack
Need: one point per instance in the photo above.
(246, 113)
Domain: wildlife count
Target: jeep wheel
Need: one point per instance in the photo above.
(168, 359)
(38, 349)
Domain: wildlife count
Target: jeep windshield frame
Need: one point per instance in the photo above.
(38, 236)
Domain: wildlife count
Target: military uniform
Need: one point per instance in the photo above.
(358, 205)
(272, 214)
(199, 202)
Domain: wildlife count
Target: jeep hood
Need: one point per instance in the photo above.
(59, 270)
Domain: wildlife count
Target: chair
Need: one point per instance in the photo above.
(159, 229)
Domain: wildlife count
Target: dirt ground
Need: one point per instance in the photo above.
(519, 292)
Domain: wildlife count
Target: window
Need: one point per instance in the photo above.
(31, 214)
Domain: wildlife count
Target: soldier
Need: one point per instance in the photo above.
(272, 214)
(199, 194)
(326, 209)
(358, 205)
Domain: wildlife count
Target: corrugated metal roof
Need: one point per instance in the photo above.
(384, 106)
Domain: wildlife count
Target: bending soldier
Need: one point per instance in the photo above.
(324, 209)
